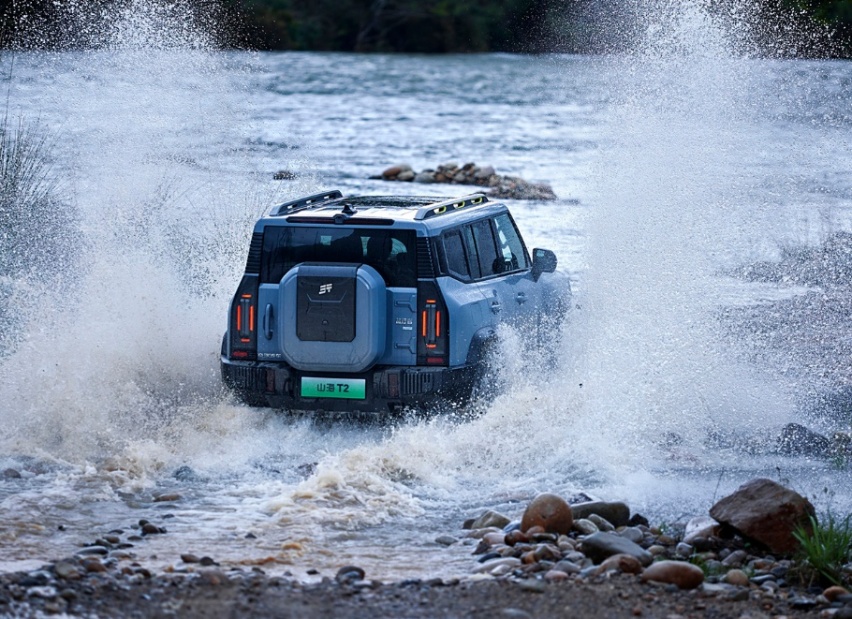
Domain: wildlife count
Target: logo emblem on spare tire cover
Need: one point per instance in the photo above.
(324, 288)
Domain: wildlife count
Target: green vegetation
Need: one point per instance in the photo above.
(436, 26)
(825, 549)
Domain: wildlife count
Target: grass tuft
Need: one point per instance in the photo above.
(824, 549)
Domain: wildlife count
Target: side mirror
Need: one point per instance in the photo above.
(544, 261)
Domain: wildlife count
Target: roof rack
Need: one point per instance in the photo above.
(439, 208)
(300, 203)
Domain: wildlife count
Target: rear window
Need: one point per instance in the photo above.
(390, 252)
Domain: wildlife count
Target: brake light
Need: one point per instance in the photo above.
(433, 343)
(244, 322)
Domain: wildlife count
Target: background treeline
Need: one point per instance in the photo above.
(440, 26)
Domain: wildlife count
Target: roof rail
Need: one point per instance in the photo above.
(439, 208)
(300, 203)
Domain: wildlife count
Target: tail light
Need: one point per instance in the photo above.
(433, 326)
(243, 327)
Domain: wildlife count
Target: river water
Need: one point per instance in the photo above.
(672, 166)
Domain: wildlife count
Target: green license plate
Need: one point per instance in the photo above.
(344, 388)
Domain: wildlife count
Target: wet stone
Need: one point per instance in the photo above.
(11, 474)
(207, 561)
(445, 540)
(601, 523)
(349, 573)
(112, 539)
(66, 570)
(634, 534)
(93, 550)
(150, 528)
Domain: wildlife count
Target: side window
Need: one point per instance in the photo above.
(486, 249)
(456, 255)
(511, 247)
(470, 245)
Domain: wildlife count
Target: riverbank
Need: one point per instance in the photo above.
(587, 559)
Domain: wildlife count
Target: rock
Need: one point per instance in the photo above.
(348, 574)
(284, 175)
(512, 562)
(569, 567)
(424, 177)
(832, 593)
(599, 546)
(149, 528)
(484, 173)
(167, 498)
(93, 550)
(516, 537)
(736, 577)
(66, 570)
(634, 534)
(700, 527)
(616, 513)
(494, 537)
(601, 523)
(188, 557)
(207, 561)
(185, 473)
(533, 586)
(735, 559)
(767, 512)
(445, 540)
(405, 176)
(584, 526)
(684, 575)
(550, 512)
(797, 440)
(683, 549)
(93, 565)
(490, 519)
(627, 564)
(11, 474)
(394, 171)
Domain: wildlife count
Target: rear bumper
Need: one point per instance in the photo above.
(276, 385)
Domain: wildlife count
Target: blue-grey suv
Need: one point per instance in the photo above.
(377, 303)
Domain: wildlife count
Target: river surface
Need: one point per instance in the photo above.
(672, 166)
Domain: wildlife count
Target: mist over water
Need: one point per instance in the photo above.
(168, 148)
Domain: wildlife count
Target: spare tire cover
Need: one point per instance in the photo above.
(333, 317)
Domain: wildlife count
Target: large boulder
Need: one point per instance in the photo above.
(767, 512)
(550, 512)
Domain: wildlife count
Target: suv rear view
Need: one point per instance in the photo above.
(378, 303)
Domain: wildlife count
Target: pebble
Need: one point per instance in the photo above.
(735, 559)
(683, 549)
(601, 523)
(349, 574)
(149, 528)
(533, 586)
(684, 575)
(490, 518)
(627, 564)
(11, 474)
(634, 534)
(516, 537)
(584, 526)
(167, 498)
(512, 562)
(446, 540)
(93, 550)
(832, 593)
(66, 570)
(736, 577)
(602, 545)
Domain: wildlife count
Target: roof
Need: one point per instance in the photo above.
(333, 207)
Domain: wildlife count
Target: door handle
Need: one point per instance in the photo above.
(495, 307)
(521, 297)
(267, 321)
